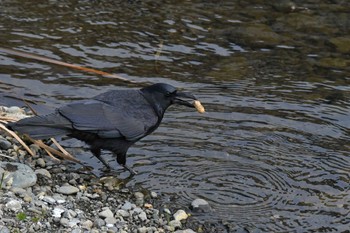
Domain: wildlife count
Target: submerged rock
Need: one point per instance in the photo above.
(200, 205)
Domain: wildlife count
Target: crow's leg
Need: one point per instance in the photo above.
(97, 153)
(121, 159)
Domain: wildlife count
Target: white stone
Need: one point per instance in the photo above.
(180, 215)
(143, 216)
(57, 212)
(14, 205)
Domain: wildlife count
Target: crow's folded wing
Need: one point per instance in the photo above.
(106, 120)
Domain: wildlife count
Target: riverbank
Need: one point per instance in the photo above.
(39, 194)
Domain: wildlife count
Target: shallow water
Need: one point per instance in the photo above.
(271, 153)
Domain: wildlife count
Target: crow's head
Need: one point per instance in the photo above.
(161, 96)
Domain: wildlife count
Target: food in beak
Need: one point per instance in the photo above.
(197, 104)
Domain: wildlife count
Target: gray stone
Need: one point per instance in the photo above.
(4, 144)
(110, 220)
(73, 222)
(123, 213)
(4, 229)
(67, 189)
(41, 162)
(127, 206)
(14, 205)
(64, 222)
(57, 211)
(174, 224)
(200, 205)
(43, 172)
(106, 213)
(87, 224)
(49, 200)
(143, 216)
(142, 229)
(76, 230)
(139, 198)
(185, 231)
(154, 195)
(99, 223)
(17, 175)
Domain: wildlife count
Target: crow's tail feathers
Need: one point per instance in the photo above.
(41, 127)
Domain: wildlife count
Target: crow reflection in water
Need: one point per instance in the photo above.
(113, 121)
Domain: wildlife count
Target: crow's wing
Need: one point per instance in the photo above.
(109, 121)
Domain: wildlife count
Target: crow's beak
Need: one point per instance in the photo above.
(184, 95)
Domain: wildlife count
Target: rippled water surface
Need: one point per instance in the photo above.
(271, 153)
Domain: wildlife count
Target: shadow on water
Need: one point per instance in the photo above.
(271, 153)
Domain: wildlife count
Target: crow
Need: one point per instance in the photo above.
(111, 121)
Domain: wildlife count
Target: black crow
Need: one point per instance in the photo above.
(113, 121)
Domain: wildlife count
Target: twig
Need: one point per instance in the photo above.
(13, 134)
(53, 61)
(53, 151)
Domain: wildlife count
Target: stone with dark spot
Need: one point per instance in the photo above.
(17, 175)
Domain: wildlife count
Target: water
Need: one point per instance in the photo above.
(271, 153)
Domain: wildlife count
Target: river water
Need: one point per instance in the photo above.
(272, 152)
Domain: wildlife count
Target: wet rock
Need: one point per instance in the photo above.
(180, 215)
(200, 205)
(256, 35)
(17, 175)
(342, 44)
(67, 189)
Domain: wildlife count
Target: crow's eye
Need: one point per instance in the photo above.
(168, 94)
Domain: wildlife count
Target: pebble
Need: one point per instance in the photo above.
(87, 224)
(64, 222)
(4, 229)
(123, 213)
(110, 221)
(14, 205)
(57, 211)
(99, 223)
(49, 200)
(143, 216)
(106, 213)
(127, 206)
(41, 162)
(154, 195)
(185, 231)
(139, 198)
(68, 189)
(43, 172)
(180, 215)
(200, 205)
(4, 144)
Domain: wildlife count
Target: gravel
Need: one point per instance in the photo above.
(38, 194)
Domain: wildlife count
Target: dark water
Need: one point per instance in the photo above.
(271, 153)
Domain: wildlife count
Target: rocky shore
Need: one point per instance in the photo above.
(40, 194)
